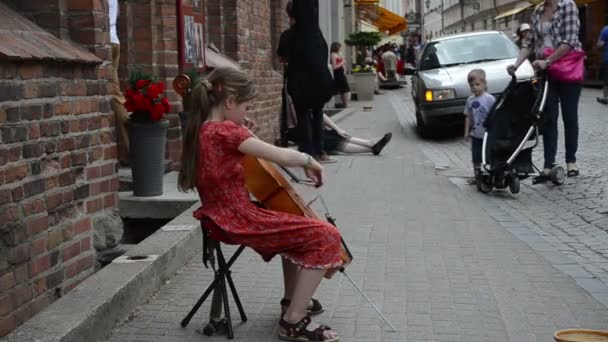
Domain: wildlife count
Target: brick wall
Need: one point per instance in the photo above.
(148, 41)
(57, 162)
(248, 31)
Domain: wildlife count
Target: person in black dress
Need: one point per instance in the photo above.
(309, 81)
(340, 82)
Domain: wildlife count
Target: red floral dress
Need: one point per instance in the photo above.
(231, 217)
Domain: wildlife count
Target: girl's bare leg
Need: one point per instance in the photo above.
(353, 148)
(306, 284)
(290, 272)
(362, 142)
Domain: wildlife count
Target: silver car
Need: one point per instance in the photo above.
(439, 84)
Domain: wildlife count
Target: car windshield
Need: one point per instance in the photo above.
(467, 50)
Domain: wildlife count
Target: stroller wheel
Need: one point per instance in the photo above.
(484, 184)
(558, 175)
(514, 184)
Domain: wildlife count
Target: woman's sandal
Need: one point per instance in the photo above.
(315, 309)
(297, 331)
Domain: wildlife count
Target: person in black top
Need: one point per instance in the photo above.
(309, 82)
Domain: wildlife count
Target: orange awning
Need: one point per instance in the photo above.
(383, 19)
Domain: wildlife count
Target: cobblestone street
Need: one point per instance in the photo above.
(439, 267)
(572, 218)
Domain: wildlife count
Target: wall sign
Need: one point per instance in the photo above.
(191, 45)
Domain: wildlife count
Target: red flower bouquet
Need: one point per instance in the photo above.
(145, 99)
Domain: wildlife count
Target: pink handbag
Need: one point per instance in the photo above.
(568, 69)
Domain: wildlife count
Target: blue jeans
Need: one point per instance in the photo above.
(567, 95)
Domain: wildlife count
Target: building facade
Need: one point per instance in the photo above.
(58, 157)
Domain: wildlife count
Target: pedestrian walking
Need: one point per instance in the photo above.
(554, 42)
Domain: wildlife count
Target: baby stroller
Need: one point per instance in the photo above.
(512, 131)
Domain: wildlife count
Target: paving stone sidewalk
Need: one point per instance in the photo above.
(573, 217)
(435, 262)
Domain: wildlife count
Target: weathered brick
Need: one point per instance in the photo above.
(54, 258)
(12, 134)
(93, 172)
(107, 170)
(40, 286)
(7, 281)
(9, 213)
(53, 201)
(33, 150)
(82, 191)
(29, 71)
(7, 324)
(36, 225)
(33, 207)
(66, 178)
(39, 246)
(94, 205)
(50, 129)
(10, 92)
(55, 279)
(33, 131)
(5, 196)
(70, 270)
(21, 273)
(66, 144)
(79, 158)
(48, 90)
(7, 304)
(34, 188)
(30, 90)
(35, 167)
(19, 254)
(17, 193)
(55, 238)
(83, 141)
(23, 294)
(16, 172)
(82, 226)
(109, 200)
(13, 114)
(85, 244)
(32, 112)
(85, 263)
(39, 265)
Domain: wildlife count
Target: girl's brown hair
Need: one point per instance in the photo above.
(206, 94)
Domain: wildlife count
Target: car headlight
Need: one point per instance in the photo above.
(439, 95)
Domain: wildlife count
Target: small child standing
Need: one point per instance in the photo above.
(476, 110)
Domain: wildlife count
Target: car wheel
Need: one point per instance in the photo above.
(421, 127)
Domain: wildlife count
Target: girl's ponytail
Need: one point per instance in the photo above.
(200, 109)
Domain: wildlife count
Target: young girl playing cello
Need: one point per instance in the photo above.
(214, 144)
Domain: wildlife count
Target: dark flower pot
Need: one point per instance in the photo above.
(148, 141)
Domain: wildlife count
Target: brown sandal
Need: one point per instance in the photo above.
(297, 332)
(313, 310)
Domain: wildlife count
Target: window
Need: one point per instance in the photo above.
(468, 50)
